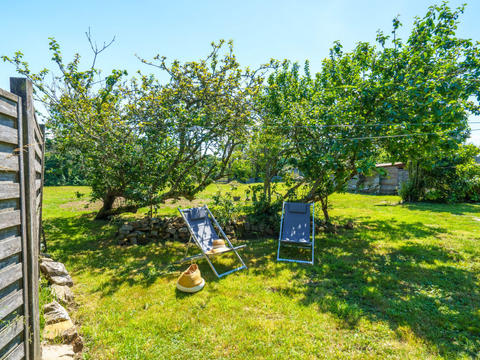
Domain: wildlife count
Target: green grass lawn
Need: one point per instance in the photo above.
(403, 284)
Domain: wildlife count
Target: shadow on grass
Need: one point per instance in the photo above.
(89, 246)
(456, 209)
(411, 285)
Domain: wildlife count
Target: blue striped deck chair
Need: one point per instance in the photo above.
(297, 220)
(200, 224)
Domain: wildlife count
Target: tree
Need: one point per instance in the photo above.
(85, 113)
(142, 140)
(191, 126)
(409, 100)
(430, 83)
(267, 154)
(240, 168)
(320, 119)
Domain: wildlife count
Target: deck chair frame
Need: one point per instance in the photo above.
(297, 244)
(204, 254)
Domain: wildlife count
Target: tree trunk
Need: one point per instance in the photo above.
(324, 202)
(414, 173)
(266, 186)
(107, 206)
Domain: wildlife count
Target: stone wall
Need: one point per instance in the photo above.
(61, 339)
(146, 230)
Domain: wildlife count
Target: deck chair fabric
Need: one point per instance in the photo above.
(202, 227)
(296, 226)
(199, 223)
(296, 223)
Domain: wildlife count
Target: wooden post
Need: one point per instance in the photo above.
(23, 229)
(41, 234)
(23, 88)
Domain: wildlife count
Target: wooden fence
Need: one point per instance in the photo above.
(21, 188)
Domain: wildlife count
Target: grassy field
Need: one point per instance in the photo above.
(403, 284)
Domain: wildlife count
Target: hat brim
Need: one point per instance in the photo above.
(191, 289)
(219, 249)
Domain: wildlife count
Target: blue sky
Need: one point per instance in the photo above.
(183, 30)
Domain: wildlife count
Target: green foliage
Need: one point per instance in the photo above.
(266, 149)
(240, 168)
(312, 113)
(453, 178)
(401, 101)
(225, 209)
(147, 141)
(142, 140)
(192, 125)
(263, 209)
(429, 85)
(63, 166)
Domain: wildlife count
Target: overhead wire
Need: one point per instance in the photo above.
(360, 125)
(374, 137)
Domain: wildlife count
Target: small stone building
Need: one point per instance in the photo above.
(385, 180)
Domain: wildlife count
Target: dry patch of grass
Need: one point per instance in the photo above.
(82, 205)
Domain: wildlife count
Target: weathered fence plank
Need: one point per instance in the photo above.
(9, 191)
(9, 247)
(8, 135)
(37, 167)
(17, 353)
(9, 162)
(8, 109)
(8, 95)
(11, 331)
(28, 333)
(9, 219)
(10, 303)
(38, 150)
(38, 185)
(10, 274)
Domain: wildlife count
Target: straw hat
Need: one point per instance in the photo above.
(219, 246)
(191, 280)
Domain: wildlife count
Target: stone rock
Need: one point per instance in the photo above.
(57, 352)
(53, 332)
(67, 333)
(53, 268)
(70, 335)
(54, 313)
(126, 228)
(154, 233)
(77, 344)
(62, 293)
(61, 280)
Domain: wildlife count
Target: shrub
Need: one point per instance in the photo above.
(455, 178)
